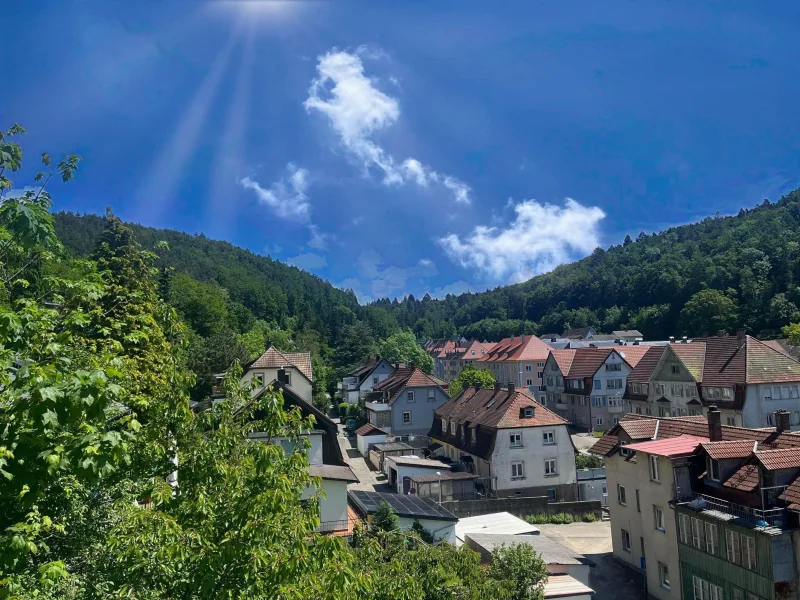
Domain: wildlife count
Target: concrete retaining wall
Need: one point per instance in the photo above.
(520, 507)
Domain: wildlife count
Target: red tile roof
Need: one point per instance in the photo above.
(563, 359)
(632, 354)
(475, 350)
(407, 377)
(272, 359)
(782, 458)
(370, 429)
(644, 368)
(586, 362)
(604, 445)
(682, 445)
(730, 449)
(792, 495)
(745, 479)
(515, 348)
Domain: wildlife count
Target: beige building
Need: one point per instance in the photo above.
(292, 369)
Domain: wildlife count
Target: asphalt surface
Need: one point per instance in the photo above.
(368, 480)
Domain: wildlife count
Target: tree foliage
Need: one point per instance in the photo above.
(469, 376)
(402, 347)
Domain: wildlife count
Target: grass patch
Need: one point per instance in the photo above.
(561, 518)
(598, 434)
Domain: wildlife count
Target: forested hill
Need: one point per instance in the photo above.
(721, 273)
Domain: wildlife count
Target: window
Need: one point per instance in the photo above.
(711, 538)
(431, 395)
(614, 367)
(554, 367)
(374, 380)
(730, 421)
(683, 528)
(410, 396)
(734, 548)
(598, 385)
(638, 504)
(598, 421)
(621, 495)
(550, 467)
(540, 364)
(517, 471)
(738, 593)
(551, 495)
(654, 468)
(658, 518)
(528, 411)
(549, 438)
(539, 374)
(406, 417)
(703, 590)
(663, 575)
(771, 419)
(259, 377)
(453, 427)
(713, 469)
(748, 552)
(444, 425)
(697, 533)
(626, 541)
(549, 381)
(675, 369)
(529, 382)
(663, 411)
(516, 440)
(528, 368)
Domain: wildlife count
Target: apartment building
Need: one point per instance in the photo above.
(519, 359)
(707, 511)
(745, 378)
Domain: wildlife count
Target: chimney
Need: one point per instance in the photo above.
(497, 387)
(684, 340)
(672, 339)
(523, 338)
(636, 343)
(714, 424)
(511, 388)
(740, 334)
(477, 385)
(782, 420)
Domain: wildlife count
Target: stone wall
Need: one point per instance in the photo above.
(520, 507)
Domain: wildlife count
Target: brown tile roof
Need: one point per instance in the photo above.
(604, 445)
(693, 357)
(365, 368)
(484, 412)
(792, 495)
(370, 429)
(587, 361)
(406, 377)
(514, 348)
(563, 359)
(776, 345)
(642, 372)
(576, 332)
(730, 449)
(632, 354)
(745, 479)
(272, 359)
(627, 333)
(765, 364)
(782, 458)
(639, 430)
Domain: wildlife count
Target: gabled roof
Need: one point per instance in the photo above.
(693, 357)
(639, 430)
(682, 445)
(783, 458)
(632, 354)
(370, 429)
(563, 359)
(272, 359)
(643, 370)
(407, 377)
(526, 347)
(628, 333)
(363, 371)
(475, 350)
(586, 362)
(792, 495)
(577, 332)
(730, 449)
(745, 479)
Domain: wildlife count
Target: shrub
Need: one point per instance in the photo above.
(343, 409)
(587, 461)
(561, 518)
(589, 517)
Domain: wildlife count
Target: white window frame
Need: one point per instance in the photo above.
(598, 384)
(431, 395)
(515, 440)
(748, 552)
(529, 412)
(518, 470)
(259, 377)
(658, 519)
(598, 420)
(622, 496)
(410, 396)
(684, 529)
(697, 534)
(550, 467)
(705, 590)
(663, 575)
(528, 368)
(626, 540)
(710, 533)
(406, 422)
(734, 547)
(548, 438)
(713, 465)
(529, 382)
(653, 462)
(453, 425)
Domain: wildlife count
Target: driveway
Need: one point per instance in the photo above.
(368, 480)
(583, 441)
(609, 579)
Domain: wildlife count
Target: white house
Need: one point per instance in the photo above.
(358, 382)
(400, 469)
(519, 359)
(516, 446)
(292, 369)
(367, 435)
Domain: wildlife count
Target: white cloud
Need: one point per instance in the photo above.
(352, 283)
(357, 109)
(286, 197)
(273, 250)
(319, 240)
(455, 288)
(387, 280)
(541, 237)
(308, 261)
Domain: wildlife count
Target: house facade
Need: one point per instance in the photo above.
(292, 369)
(404, 403)
(516, 446)
(519, 359)
(359, 382)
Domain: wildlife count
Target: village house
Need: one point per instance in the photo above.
(403, 404)
(519, 359)
(292, 369)
(744, 377)
(358, 383)
(515, 445)
(586, 385)
(442, 351)
(706, 510)
(472, 352)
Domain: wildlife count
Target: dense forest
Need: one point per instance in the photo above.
(721, 273)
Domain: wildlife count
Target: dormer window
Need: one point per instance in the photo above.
(713, 469)
(452, 427)
(444, 425)
(528, 412)
(259, 377)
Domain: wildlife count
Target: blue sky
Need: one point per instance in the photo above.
(410, 147)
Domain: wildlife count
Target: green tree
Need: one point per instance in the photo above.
(519, 571)
(708, 311)
(425, 535)
(385, 519)
(792, 333)
(208, 357)
(587, 461)
(204, 306)
(402, 347)
(469, 376)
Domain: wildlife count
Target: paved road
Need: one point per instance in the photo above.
(368, 480)
(609, 579)
(583, 441)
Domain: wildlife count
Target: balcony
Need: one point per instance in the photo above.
(769, 517)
